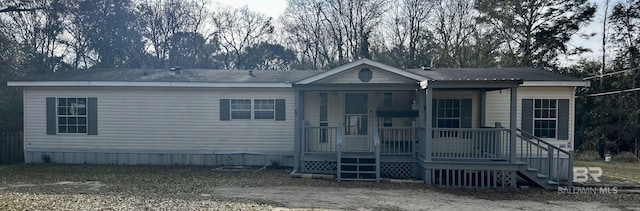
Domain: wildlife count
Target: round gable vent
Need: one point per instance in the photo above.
(365, 74)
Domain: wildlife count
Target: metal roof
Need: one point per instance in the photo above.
(491, 74)
(184, 75)
(258, 78)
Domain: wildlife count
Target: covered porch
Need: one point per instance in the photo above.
(414, 127)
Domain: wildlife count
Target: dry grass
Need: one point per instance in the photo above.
(619, 170)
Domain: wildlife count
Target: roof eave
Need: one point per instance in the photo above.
(143, 84)
(556, 83)
(360, 62)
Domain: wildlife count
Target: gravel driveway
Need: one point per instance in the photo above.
(90, 187)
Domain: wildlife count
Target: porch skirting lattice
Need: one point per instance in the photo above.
(398, 170)
(319, 167)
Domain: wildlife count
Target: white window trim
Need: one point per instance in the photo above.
(549, 118)
(85, 115)
(231, 109)
(459, 118)
(254, 109)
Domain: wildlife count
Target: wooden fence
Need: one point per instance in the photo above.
(11, 148)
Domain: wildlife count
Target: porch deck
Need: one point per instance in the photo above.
(468, 157)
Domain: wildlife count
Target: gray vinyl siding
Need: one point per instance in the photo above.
(162, 120)
(498, 106)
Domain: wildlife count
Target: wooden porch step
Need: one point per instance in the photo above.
(359, 172)
(532, 169)
(358, 179)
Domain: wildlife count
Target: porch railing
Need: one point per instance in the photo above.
(550, 161)
(320, 139)
(471, 143)
(397, 140)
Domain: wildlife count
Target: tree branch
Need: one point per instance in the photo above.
(16, 9)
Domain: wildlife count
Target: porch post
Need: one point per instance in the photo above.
(428, 122)
(298, 127)
(428, 135)
(483, 107)
(513, 124)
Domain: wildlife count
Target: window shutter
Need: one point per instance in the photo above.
(527, 115)
(434, 113)
(563, 119)
(51, 116)
(466, 113)
(280, 110)
(225, 109)
(92, 116)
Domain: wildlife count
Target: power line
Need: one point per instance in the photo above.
(613, 92)
(608, 74)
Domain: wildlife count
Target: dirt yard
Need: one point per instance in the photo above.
(90, 187)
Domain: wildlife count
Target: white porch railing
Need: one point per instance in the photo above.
(320, 139)
(397, 140)
(550, 161)
(471, 143)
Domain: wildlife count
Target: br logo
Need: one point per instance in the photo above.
(581, 174)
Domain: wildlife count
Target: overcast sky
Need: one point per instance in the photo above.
(274, 8)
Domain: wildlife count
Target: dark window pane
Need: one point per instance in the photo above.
(264, 115)
(553, 103)
(241, 115)
(62, 120)
(82, 111)
(545, 113)
(62, 129)
(82, 129)
(62, 111)
(82, 120)
(545, 103)
(72, 120)
(356, 103)
(72, 129)
(62, 101)
(388, 100)
(82, 101)
(71, 101)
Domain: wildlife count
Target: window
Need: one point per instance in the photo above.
(545, 118)
(388, 103)
(448, 113)
(240, 109)
(323, 117)
(72, 115)
(264, 109)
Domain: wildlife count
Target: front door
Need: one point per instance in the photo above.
(356, 118)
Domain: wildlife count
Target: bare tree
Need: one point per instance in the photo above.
(237, 29)
(454, 27)
(163, 21)
(304, 31)
(406, 31)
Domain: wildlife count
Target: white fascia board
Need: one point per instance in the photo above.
(144, 84)
(556, 83)
(360, 62)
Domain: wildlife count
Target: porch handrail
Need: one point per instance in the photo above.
(376, 144)
(532, 151)
(397, 140)
(470, 143)
(319, 139)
